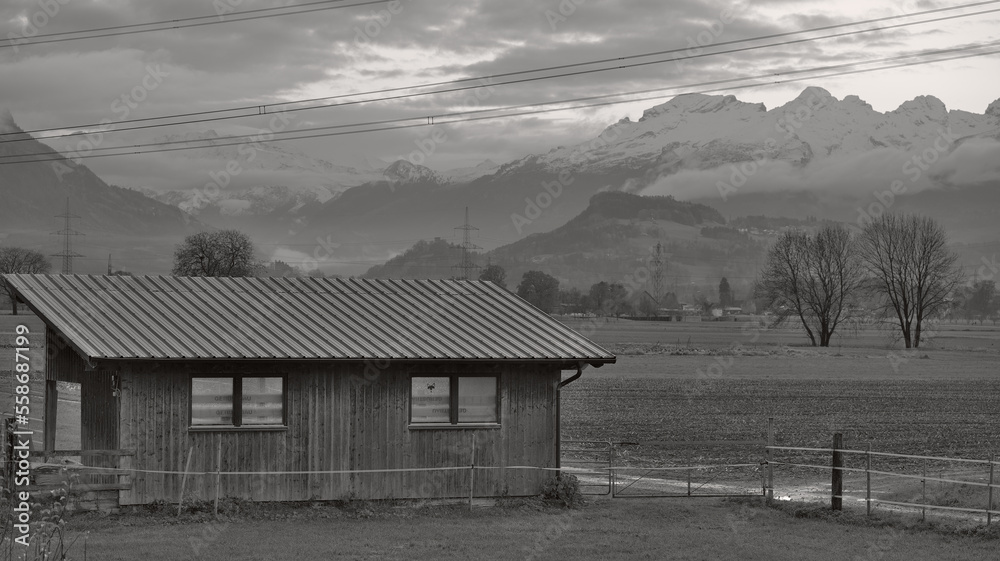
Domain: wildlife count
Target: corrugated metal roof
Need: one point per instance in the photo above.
(165, 318)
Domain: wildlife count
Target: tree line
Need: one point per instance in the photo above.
(896, 268)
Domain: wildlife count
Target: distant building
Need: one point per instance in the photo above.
(339, 385)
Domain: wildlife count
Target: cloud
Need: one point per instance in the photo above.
(347, 50)
(974, 161)
(851, 175)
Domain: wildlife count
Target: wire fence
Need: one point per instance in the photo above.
(946, 484)
(957, 487)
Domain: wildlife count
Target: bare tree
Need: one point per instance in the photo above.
(226, 253)
(911, 269)
(815, 278)
(20, 260)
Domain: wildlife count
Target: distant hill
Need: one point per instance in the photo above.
(426, 259)
(816, 155)
(139, 230)
(611, 240)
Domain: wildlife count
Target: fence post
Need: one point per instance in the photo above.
(218, 476)
(868, 480)
(769, 457)
(614, 479)
(989, 503)
(472, 471)
(837, 484)
(187, 468)
(611, 455)
(923, 491)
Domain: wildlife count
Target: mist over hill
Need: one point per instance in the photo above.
(139, 231)
(612, 240)
(834, 159)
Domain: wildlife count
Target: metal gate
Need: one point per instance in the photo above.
(591, 462)
(688, 469)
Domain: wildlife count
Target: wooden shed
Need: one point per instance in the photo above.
(286, 389)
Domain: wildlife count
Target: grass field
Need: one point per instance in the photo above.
(606, 529)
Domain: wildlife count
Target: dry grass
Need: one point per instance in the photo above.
(620, 529)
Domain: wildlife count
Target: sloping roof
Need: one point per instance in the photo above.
(175, 318)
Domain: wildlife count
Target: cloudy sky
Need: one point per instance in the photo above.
(383, 45)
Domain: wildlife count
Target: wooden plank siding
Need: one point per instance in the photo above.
(336, 420)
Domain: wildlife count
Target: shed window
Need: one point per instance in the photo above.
(454, 400)
(238, 401)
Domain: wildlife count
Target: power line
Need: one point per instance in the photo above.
(118, 30)
(263, 109)
(476, 115)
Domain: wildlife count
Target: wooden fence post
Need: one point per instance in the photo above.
(769, 458)
(611, 465)
(472, 471)
(989, 502)
(187, 468)
(868, 480)
(837, 485)
(923, 491)
(218, 475)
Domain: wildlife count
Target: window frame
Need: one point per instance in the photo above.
(237, 417)
(453, 409)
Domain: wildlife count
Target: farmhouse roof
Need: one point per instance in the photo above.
(184, 318)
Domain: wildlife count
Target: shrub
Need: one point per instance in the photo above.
(564, 488)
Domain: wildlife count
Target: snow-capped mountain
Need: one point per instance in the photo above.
(267, 177)
(466, 174)
(815, 155)
(271, 178)
(403, 171)
(699, 131)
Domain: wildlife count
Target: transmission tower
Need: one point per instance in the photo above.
(467, 265)
(658, 265)
(67, 233)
